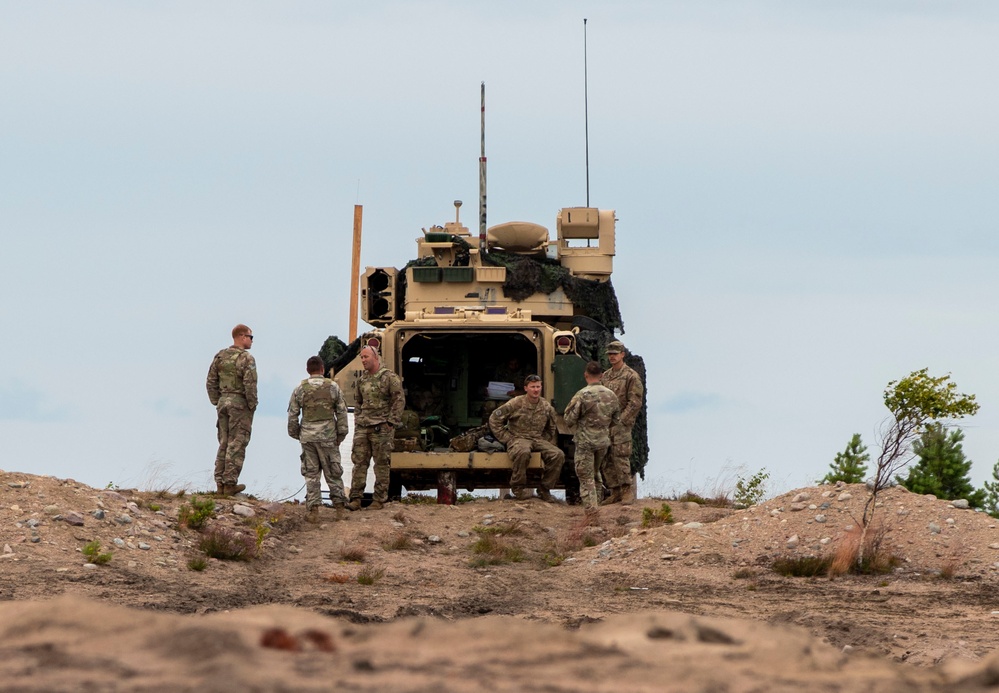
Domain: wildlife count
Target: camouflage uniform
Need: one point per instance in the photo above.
(525, 428)
(380, 401)
(322, 429)
(232, 388)
(627, 385)
(593, 412)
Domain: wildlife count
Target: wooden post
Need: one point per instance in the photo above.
(447, 488)
(355, 273)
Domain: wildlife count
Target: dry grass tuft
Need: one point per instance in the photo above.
(353, 554)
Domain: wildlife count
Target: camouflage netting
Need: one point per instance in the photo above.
(640, 431)
(335, 354)
(527, 275)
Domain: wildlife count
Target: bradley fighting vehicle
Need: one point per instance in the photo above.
(467, 320)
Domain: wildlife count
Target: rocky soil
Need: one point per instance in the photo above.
(489, 594)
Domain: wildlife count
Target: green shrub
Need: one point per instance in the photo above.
(752, 490)
(369, 575)
(802, 566)
(195, 515)
(657, 518)
(92, 551)
(198, 563)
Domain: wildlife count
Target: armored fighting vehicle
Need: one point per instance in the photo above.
(467, 320)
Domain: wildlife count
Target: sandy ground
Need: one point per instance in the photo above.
(490, 595)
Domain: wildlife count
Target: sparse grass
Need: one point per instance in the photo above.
(353, 554)
(418, 499)
(262, 530)
(180, 493)
(198, 563)
(657, 518)
(369, 575)
(503, 529)
(802, 566)
(227, 545)
(195, 514)
(400, 541)
(579, 534)
(878, 557)
(744, 574)
(948, 570)
(337, 578)
(155, 507)
(720, 500)
(92, 550)
(493, 549)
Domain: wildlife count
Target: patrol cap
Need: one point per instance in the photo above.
(615, 347)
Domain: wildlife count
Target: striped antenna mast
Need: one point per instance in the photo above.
(586, 116)
(482, 177)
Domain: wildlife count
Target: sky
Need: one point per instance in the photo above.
(806, 196)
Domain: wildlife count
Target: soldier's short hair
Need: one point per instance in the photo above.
(239, 330)
(532, 379)
(595, 369)
(315, 365)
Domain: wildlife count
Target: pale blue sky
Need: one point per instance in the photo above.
(806, 194)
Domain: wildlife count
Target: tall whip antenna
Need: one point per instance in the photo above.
(586, 115)
(482, 178)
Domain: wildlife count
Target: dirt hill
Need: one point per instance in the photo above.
(489, 594)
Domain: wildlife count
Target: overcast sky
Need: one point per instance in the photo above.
(806, 195)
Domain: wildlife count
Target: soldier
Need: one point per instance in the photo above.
(593, 412)
(323, 427)
(526, 424)
(627, 385)
(380, 401)
(232, 388)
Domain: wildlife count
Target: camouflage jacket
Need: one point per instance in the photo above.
(518, 418)
(626, 384)
(232, 378)
(379, 398)
(592, 412)
(323, 411)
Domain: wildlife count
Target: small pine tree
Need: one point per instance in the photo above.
(942, 468)
(850, 466)
(991, 504)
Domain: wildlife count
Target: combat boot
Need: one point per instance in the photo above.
(626, 496)
(219, 488)
(312, 517)
(521, 494)
(546, 495)
(354, 504)
(376, 505)
(233, 490)
(614, 497)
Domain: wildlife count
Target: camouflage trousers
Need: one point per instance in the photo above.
(587, 460)
(322, 457)
(233, 426)
(371, 442)
(616, 469)
(520, 449)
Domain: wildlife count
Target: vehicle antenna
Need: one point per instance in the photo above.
(482, 177)
(586, 116)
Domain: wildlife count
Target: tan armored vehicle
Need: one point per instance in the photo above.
(466, 321)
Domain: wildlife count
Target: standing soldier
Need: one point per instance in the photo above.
(379, 403)
(627, 385)
(593, 412)
(323, 427)
(232, 388)
(525, 424)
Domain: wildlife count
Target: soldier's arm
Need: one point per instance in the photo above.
(212, 382)
(497, 424)
(398, 400)
(551, 427)
(340, 411)
(250, 383)
(571, 414)
(294, 409)
(633, 403)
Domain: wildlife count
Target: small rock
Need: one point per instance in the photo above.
(434, 539)
(144, 546)
(961, 504)
(32, 523)
(949, 521)
(487, 521)
(846, 495)
(35, 539)
(123, 519)
(89, 566)
(98, 514)
(693, 525)
(119, 542)
(7, 549)
(792, 542)
(994, 546)
(824, 541)
(668, 557)
(463, 533)
(51, 509)
(795, 507)
(800, 498)
(820, 519)
(242, 510)
(75, 519)
(934, 528)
